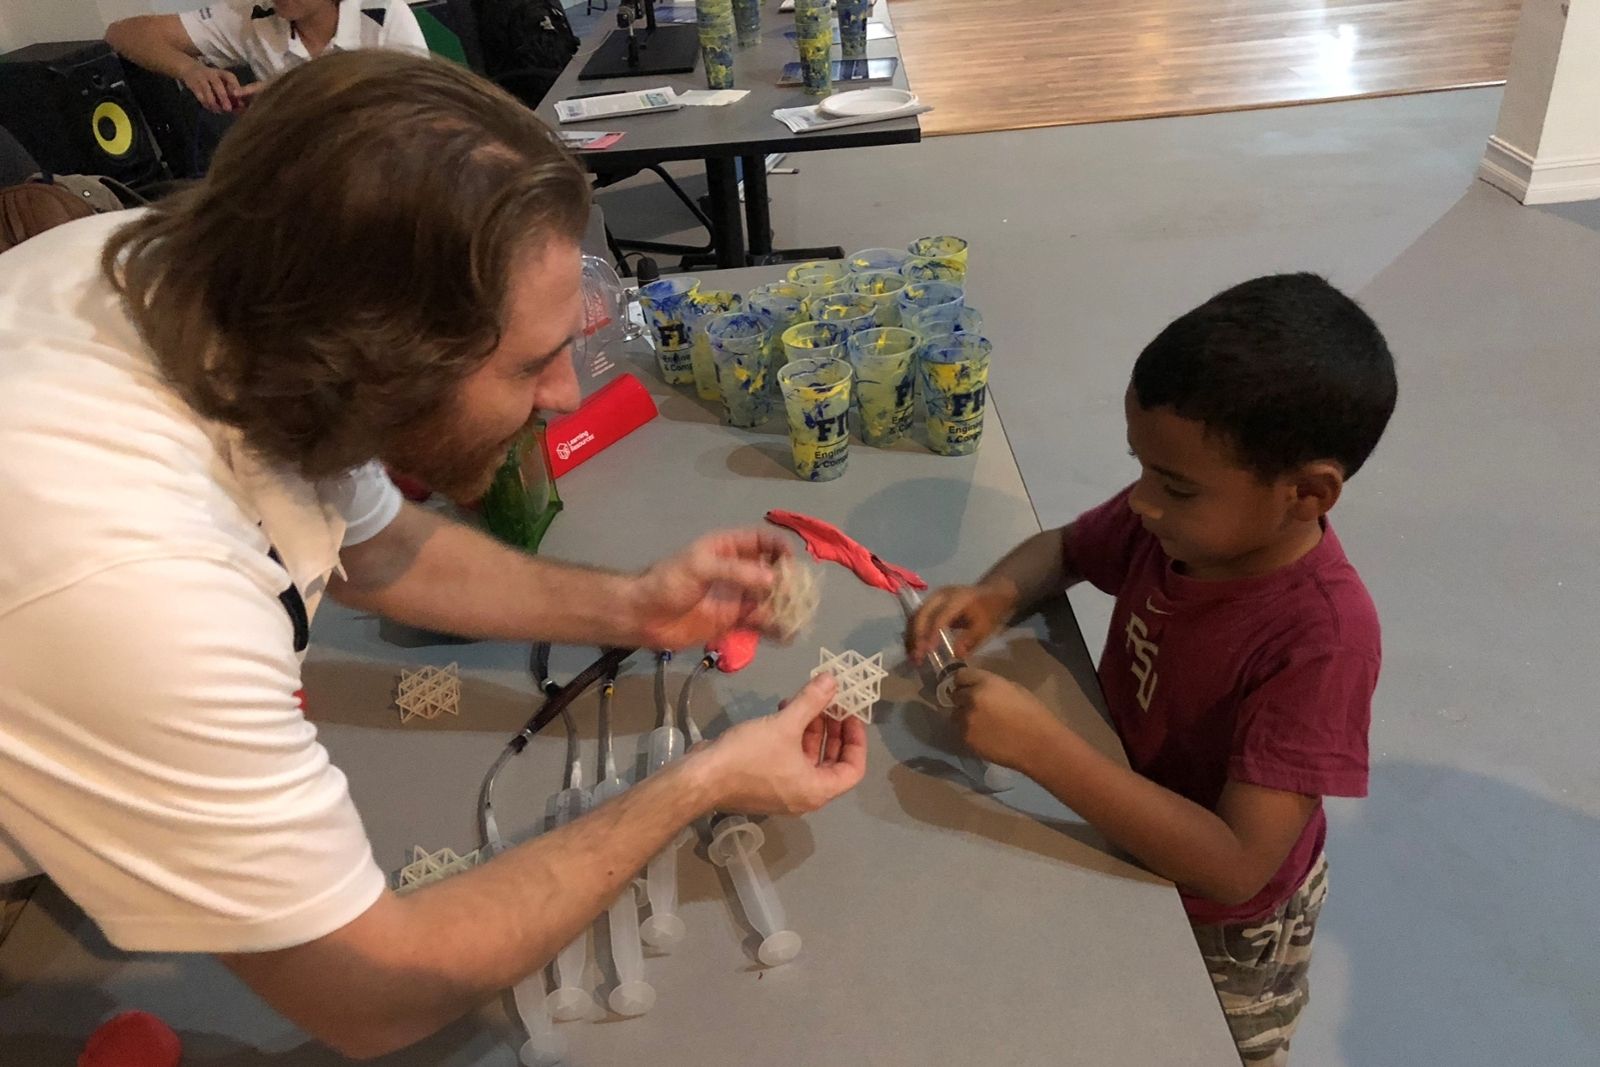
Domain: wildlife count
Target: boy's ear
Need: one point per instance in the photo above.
(1317, 486)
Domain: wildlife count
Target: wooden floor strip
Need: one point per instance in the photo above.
(1016, 64)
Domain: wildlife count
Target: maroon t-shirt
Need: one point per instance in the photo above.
(1266, 680)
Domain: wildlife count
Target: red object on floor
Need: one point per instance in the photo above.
(617, 409)
(132, 1039)
(736, 650)
(829, 543)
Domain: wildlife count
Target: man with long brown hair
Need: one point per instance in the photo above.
(194, 400)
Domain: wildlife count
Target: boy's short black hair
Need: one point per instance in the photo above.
(1286, 367)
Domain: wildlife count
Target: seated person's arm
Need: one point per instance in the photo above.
(1030, 573)
(161, 43)
(1226, 855)
(409, 965)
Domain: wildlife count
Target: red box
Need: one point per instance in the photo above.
(617, 409)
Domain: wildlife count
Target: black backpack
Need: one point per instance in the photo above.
(526, 43)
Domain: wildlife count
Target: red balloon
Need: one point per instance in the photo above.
(132, 1039)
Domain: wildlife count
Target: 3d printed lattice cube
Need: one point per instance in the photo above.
(860, 681)
(428, 867)
(429, 692)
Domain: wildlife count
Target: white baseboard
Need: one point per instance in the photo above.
(1539, 181)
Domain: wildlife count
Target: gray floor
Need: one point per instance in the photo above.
(1461, 929)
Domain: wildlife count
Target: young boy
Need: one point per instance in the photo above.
(1243, 649)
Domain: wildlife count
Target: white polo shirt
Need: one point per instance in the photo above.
(234, 32)
(154, 760)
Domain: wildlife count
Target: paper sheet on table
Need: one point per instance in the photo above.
(712, 97)
(811, 119)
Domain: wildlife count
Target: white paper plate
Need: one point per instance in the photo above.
(866, 102)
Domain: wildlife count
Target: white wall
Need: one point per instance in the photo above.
(1546, 145)
(25, 22)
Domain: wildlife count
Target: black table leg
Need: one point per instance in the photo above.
(757, 208)
(722, 187)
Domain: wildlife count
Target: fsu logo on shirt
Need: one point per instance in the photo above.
(1143, 653)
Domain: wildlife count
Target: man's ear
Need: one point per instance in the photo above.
(1317, 486)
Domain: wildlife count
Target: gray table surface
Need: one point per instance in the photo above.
(742, 129)
(940, 925)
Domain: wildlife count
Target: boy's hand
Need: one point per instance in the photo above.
(970, 613)
(1001, 721)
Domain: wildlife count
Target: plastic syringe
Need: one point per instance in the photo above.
(544, 1047)
(663, 929)
(736, 845)
(570, 1000)
(632, 995)
(944, 665)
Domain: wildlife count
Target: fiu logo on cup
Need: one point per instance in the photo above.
(968, 405)
(673, 335)
(830, 427)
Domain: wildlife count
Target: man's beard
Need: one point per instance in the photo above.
(444, 454)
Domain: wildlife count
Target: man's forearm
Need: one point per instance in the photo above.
(1033, 571)
(1173, 836)
(426, 570)
(412, 964)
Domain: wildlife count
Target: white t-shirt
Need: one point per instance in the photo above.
(154, 760)
(234, 32)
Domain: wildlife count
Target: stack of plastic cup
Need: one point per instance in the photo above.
(885, 363)
(815, 340)
(930, 302)
(703, 306)
(955, 383)
(813, 26)
(951, 251)
(667, 301)
(883, 288)
(739, 353)
(853, 28)
(851, 310)
(816, 399)
(876, 259)
(747, 20)
(778, 308)
(715, 18)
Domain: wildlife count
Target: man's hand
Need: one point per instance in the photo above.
(217, 90)
(717, 584)
(1000, 720)
(970, 613)
(770, 766)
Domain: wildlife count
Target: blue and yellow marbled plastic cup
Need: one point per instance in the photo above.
(944, 248)
(815, 340)
(739, 353)
(816, 399)
(954, 372)
(704, 305)
(853, 28)
(666, 301)
(885, 363)
(813, 27)
(883, 288)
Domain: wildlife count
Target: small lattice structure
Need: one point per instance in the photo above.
(793, 599)
(860, 681)
(428, 867)
(429, 692)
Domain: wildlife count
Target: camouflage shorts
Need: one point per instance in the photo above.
(1260, 971)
